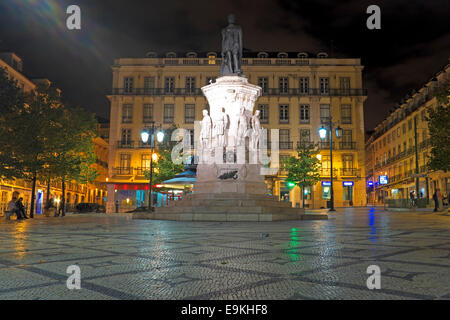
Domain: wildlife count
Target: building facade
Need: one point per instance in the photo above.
(397, 151)
(75, 193)
(299, 92)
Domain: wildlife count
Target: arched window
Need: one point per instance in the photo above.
(302, 55)
(191, 55)
(171, 55)
(322, 55)
(282, 55)
(262, 55)
(151, 54)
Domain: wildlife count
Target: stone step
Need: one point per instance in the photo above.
(229, 202)
(226, 217)
(230, 209)
(224, 196)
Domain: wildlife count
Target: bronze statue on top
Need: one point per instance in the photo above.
(231, 48)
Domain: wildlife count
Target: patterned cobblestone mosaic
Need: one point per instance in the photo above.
(121, 258)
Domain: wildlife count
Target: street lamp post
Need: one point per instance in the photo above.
(323, 134)
(145, 135)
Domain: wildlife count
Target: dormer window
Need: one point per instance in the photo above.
(151, 54)
(282, 55)
(322, 55)
(262, 55)
(171, 55)
(191, 55)
(302, 55)
(212, 57)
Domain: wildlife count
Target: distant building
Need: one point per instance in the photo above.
(299, 91)
(75, 193)
(393, 156)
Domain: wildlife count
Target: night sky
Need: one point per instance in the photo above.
(412, 45)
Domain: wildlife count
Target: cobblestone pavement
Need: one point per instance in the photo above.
(121, 258)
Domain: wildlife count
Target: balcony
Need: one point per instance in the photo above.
(140, 171)
(326, 145)
(350, 172)
(326, 172)
(269, 92)
(158, 91)
(121, 144)
(282, 145)
(347, 145)
(306, 144)
(123, 171)
(286, 145)
(143, 145)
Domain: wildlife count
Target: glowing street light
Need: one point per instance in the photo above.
(322, 133)
(146, 135)
(160, 136)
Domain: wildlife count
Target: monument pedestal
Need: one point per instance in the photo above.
(230, 183)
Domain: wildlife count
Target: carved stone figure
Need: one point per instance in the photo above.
(231, 48)
(242, 127)
(220, 125)
(256, 130)
(206, 130)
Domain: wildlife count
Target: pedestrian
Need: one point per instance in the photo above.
(50, 205)
(21, 208)
(436, 200)
(439, 197)
(11, 208)
(412, 197)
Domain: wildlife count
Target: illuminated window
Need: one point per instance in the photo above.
(211, 59)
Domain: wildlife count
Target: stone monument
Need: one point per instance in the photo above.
(230, 182)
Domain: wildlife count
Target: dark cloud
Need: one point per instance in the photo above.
(412, 45)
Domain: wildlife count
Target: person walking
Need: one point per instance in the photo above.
(412, 197)
(436, 200)
(439, 197)
(21, 208)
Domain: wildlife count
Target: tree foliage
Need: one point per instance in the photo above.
(439, 128)
(11, 102)
(164, 168)
(303, 169)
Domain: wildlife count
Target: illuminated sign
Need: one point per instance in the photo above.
(383, 179)
(370, 183)
(326, 183)
(347, 183)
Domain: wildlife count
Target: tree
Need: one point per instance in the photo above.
(303, 169)
(438, 126)
(164, 168)
(73, 152)
(12, 101)
(32, 126)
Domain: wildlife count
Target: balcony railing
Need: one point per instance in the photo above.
(347, 145)
(350, 172)
(125, 144)
(326, 145)
(123, 171)
(286, 145)
(326, 172)
(158, 91)
(140, 171)
(269, 92)
(305, 144)
(282, 145)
